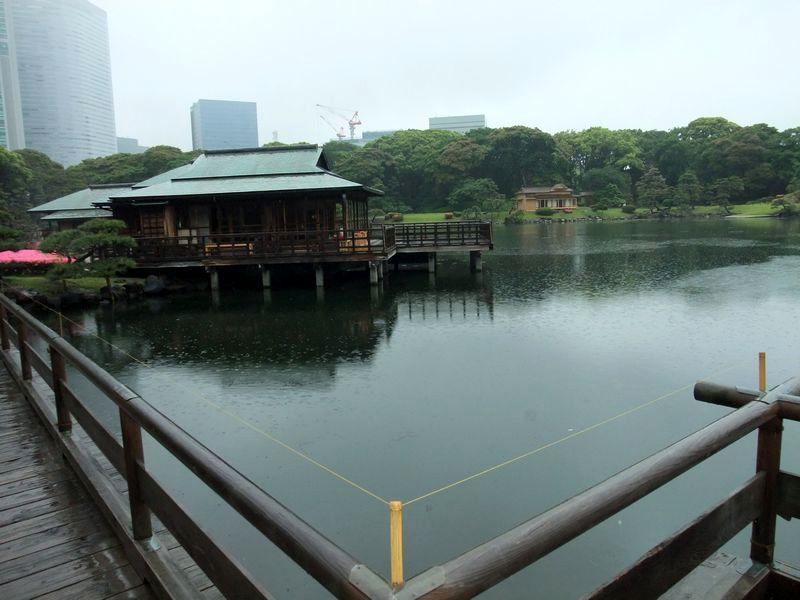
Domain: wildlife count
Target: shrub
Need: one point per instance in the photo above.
(397, 217)
(515, 217)
(599, 206)
(448, 216)
(545, 212)
(629, 209)
(457, 214)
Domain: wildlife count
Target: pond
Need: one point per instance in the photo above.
(436, 378)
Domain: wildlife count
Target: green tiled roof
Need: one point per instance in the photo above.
(66, 215)
(280, 160)
(242, 185)
(302, 167)
(84, 199)
(161, 177)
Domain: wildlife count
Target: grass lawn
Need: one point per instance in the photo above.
(761, 209)
(40, 283)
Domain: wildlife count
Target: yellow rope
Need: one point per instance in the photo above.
(561, 440)
(341, 477)
(220, 408)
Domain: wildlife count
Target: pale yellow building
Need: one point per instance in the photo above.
(557, 197)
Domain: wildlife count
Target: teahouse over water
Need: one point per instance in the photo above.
(73, 209)
(270, 206)
(256, 206)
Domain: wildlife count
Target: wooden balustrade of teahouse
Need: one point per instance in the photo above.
(758, 500)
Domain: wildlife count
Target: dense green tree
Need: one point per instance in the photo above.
(727, 189)
(472, 192)
(689, 191)
(519, 156)
(595, 180)
(653, 190)
(336, 151)
(610, 196)
(49, 179)
(459, 160)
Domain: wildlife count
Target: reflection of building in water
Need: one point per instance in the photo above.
(293, 340)
(447, 304)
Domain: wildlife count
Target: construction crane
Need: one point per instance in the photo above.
(340, 134)
(342, 114)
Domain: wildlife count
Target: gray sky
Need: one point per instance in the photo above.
(556, 64)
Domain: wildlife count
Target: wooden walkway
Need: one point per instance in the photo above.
(54, 543)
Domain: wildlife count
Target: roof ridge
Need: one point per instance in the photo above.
(239, 176)
(264, 149)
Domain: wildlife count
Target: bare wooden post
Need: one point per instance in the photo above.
(24, 356)
(396, 542)
(762, 541)
(762, 371)
(59, 377)
(134, 456)
(4, 328)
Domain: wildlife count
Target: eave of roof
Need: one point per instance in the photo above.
(84, 199)
(68, 215)
(263, 184)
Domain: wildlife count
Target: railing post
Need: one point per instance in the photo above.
(6, 345)
(396, 542)
(762, 541)
(59, 377)
(24, 356)
(134, 456)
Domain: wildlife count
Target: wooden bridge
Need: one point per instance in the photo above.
(53, 543)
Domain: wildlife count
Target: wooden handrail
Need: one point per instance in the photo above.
(491, 562)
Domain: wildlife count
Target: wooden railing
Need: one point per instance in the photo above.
(759, 499)
(375, 240)
(445, 234)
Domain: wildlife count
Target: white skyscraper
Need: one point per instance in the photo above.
(11, 132)
(64, 73)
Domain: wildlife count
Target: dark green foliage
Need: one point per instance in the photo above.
(472, 192)
(101, 241)
(515, 217)
(610, 195)
(629, 209)
(653, 190)
(545, 212)
(689, 191)
(598, 206)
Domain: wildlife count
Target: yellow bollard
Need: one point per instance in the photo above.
(396, 541)
(762, 371)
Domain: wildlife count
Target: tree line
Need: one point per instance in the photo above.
(709, 161)
(29, 178)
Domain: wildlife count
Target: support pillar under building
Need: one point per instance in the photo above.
(373, 273)
(475, 261)
(266, 277)
(319, 275)
(214, 278)
(432, 262)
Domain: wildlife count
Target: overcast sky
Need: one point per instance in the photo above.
(556, 64)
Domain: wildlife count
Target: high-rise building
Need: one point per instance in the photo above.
(12, 135)
(459, 124)
(64, 73)
(224, 125)
(129, 145)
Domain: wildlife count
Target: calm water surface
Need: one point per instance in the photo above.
(440, 377)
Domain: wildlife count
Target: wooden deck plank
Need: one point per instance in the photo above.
(55, 555)
(55, 578)
(52, 502)
(48, 538)
(99, 587)
(54, 543)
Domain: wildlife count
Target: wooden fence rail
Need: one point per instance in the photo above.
(768, 493)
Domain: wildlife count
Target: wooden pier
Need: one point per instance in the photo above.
(161, 548)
